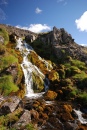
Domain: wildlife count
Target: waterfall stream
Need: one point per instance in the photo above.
(28, 68)
(80, 118)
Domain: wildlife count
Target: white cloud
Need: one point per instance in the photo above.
(38, 11)
(37, 28)
(2, 15)
(62, 1)
(4, 2)
(81, 23)
(84, 45)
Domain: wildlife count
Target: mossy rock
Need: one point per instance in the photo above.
(66, 82)
(82, 97)
(11, 117)
(50, 95)
(38, 83)
(40, 63)
(53, 75)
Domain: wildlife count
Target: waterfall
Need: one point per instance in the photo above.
(80, 118)
(28, 68)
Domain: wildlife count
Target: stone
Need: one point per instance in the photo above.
(30, 38)
(24, 120)
(9, 104)
(1, 39)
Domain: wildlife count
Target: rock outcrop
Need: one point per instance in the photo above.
(60, 36)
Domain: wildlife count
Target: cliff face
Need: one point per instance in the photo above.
(64, 45)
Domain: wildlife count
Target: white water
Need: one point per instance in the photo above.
(48, 65)
(28, 68)
(80, 118)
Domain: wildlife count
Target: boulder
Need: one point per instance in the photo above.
(9, 104)
(24, 120)
(30, 38)
(12, 38)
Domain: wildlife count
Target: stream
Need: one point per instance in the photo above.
(28, 68)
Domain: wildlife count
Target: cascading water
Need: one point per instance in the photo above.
(80, 118)
(28, 68)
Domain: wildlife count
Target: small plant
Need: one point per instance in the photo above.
(74, 92)
(30, 127)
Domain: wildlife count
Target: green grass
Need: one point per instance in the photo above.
(7, 60)
(80, 76)
(4, 34)
(81, 65)
(74, 92)
(83, 97)
(7, 85)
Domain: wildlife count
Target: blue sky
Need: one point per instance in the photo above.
(42, 15)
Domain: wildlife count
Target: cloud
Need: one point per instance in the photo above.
(38, 11)
(81, 23)
(37, 28)
(84, 45)
(4, 2)
(62, 1)
(2, 15)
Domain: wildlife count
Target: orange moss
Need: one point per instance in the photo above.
(50, 95)
(67, 108)
(53, 75)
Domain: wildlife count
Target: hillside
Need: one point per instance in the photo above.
(51, 67)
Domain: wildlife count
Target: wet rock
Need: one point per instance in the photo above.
(70, 126)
